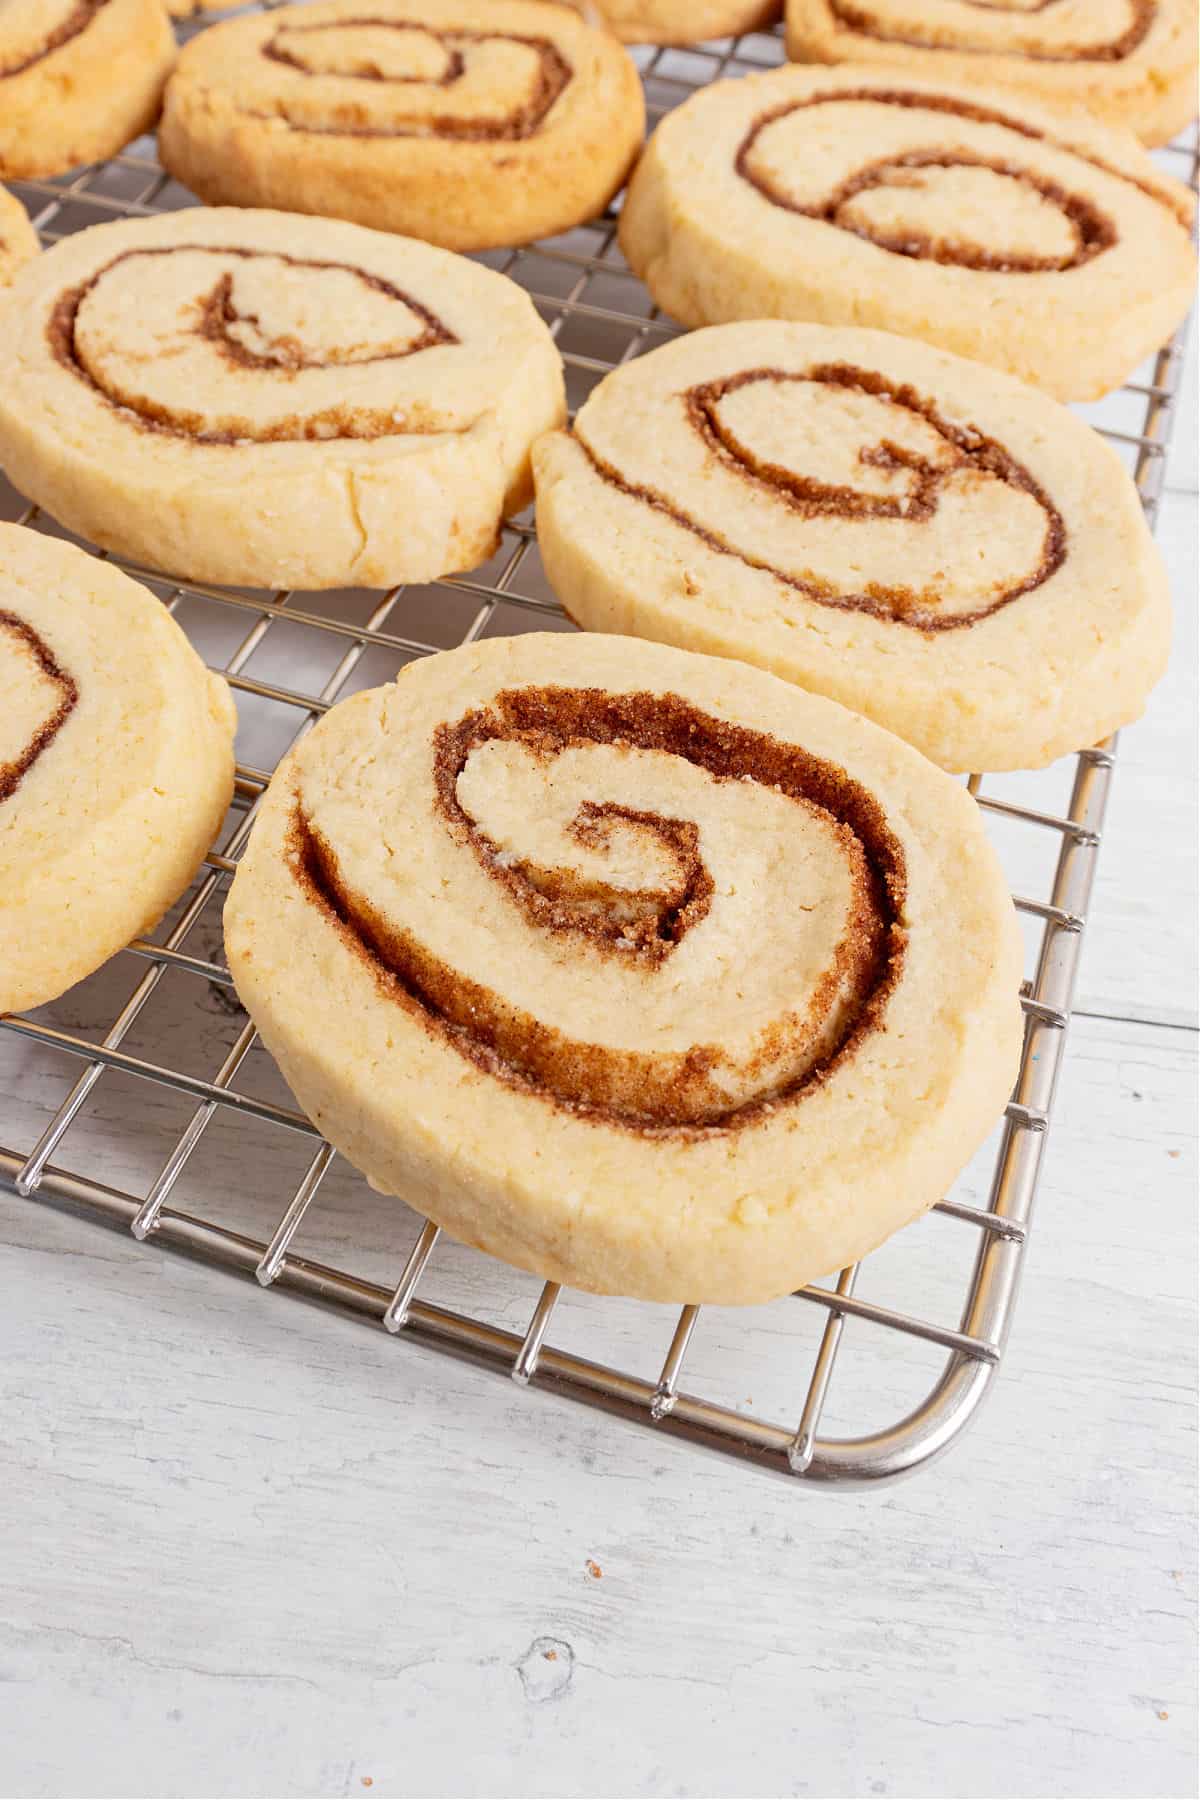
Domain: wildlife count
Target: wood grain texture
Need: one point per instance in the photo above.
(249, 1548)
(1139, 955)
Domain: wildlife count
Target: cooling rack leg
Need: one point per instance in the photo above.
(396, 1316)
(803, 1446)
(285, 1231)
(663, 1401)
(527, 1356)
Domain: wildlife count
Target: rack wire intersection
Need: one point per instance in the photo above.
(318, 648)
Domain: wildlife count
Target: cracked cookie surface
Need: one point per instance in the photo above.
(116, 763)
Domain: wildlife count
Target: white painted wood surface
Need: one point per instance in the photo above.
(247, 1548)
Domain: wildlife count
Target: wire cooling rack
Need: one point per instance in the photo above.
(151, 1071)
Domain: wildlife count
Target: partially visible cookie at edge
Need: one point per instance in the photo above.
(680, 21)
(18, 239)
(1131, 63)
(79, 79)
(116, 764)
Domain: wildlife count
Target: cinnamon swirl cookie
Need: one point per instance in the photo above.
(1129, 62)
(253, 398)
(78, 79)
(116, 764)
(931, 543)
(639, 969)
(18, 239)
(1041, 242)
(681, 21)
(468, 127)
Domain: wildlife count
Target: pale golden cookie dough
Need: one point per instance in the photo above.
(18, 239)
(469, 128)
(79, 79)
(1131, 63)
(116, 764)
(260, 399)
(642, 970)
(1041, 242)
(680, 21)
(927, 541)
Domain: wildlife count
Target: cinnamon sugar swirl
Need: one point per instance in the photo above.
(258, 399)
(116, 764)
(927, 541)
(469, 127)
(1131, 63)
(639, 969)
(1043, 243)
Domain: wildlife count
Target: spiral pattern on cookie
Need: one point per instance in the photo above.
(377, 76)
(837, 480)
(624, 841)
(249, 346)
(271, 401)
(472, 128)
(1043, 30)
(644, 970)
(42, 697)
(946, 181)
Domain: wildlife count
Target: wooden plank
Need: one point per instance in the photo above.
(253, 1548)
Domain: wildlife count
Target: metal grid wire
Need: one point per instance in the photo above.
(171, 1070)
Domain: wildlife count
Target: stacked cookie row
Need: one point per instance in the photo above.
(646, 969)
(80, 79)
(258, 397)
(1010, 231)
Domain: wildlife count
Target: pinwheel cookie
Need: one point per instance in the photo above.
(18, 239)
(929, 542)
(1041, 242)
(468, 127)
(681, 21)
(116, 763)
(78, 80)
(1130, 62)
(255, 398)
(642, 970)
